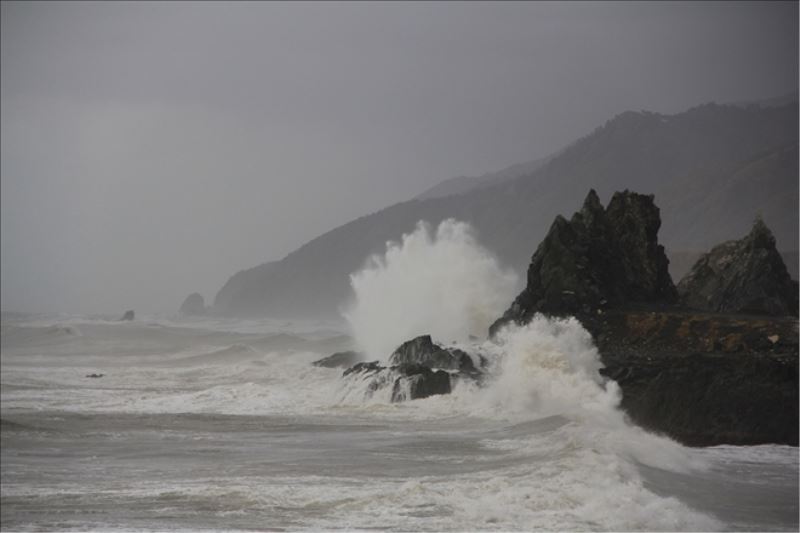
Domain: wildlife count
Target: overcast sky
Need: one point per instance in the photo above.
(153, 149)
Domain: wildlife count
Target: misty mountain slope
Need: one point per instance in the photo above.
(712, 168)
(463, 184)
(766, 184)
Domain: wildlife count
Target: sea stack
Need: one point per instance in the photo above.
(742, 276)
(193, 305)
(600, 258)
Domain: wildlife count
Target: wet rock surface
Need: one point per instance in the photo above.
(418, 368)
(704, 379)
(600, 258)
(344, 359)
(423, 351)
(742, 276)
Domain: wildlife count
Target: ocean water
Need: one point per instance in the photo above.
(223, 424)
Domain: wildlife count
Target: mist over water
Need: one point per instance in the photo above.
(440, 282)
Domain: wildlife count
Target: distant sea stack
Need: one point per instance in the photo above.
(129, 315)
(193, 305)
(743, 276)
(600, 258)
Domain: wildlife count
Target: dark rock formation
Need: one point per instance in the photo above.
(704, 379)
(193, 305)
(364, 368)
(418, 381)
(601, 258)
(129, 315)
(408, 381)
(744, 276)
(423, 351)
(417, 369)
(339, 360)
(95, 375)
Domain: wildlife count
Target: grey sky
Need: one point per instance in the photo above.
(153, 149)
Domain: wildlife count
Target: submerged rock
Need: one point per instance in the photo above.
(129, 315)
(193, 305)
(339, 359)
(743, 276)
(95, 375)
(600, 258)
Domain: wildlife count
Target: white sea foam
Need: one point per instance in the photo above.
(443, 283)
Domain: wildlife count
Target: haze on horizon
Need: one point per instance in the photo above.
(150, 150)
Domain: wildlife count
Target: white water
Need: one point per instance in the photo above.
(224, 424)
(442, 283)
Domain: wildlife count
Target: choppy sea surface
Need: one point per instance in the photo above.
(225, 425)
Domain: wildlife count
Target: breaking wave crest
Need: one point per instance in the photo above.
(440, 282)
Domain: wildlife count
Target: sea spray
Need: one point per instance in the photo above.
(550, 367)
(443, 283)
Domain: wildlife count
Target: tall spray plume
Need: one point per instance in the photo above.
(444, 284)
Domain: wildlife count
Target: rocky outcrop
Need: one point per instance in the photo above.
(744, 276)
(600, 258)
(193, 305)
(704, 379)
(344, 359)
(419, 381)
(424, 352)
(408, 381)
(129, 315)
(418, 368)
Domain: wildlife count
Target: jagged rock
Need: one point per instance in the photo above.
(423, 351)
(744, 276)
(193, 305)
(129, 315)
(417, 381)
(408, 381)
(600, 258)
(418, 368)
(365, 368)
(339, 360)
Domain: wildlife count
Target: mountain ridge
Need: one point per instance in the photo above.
(673, 156)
